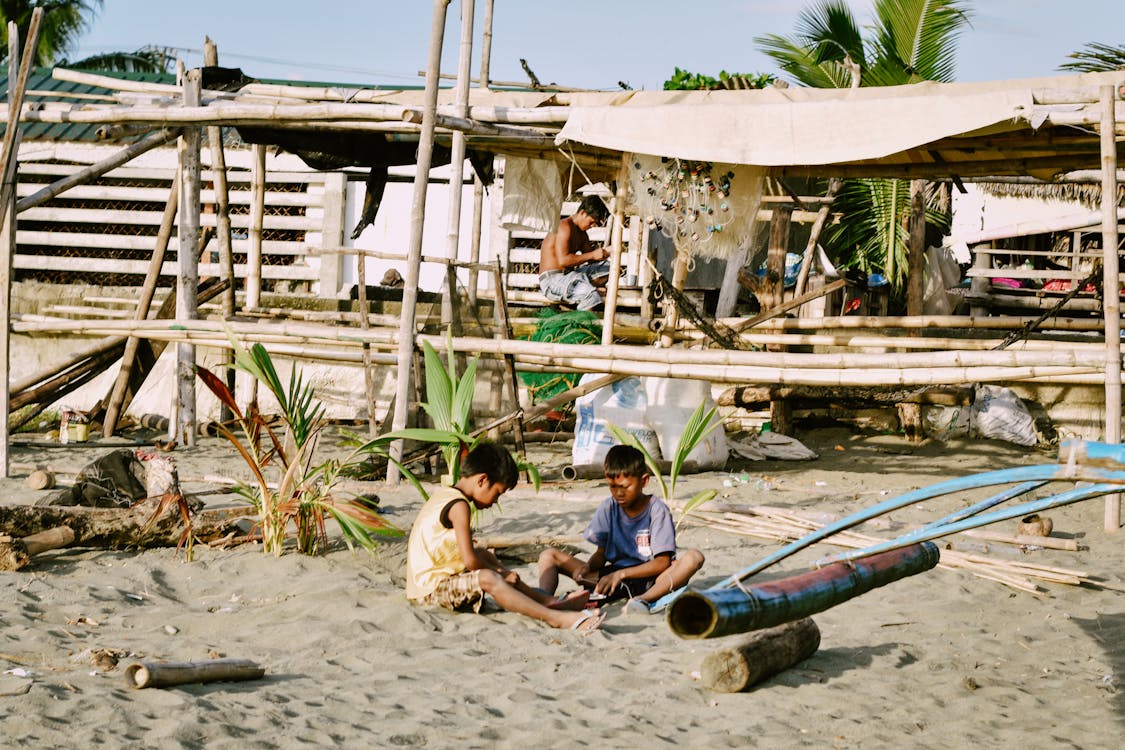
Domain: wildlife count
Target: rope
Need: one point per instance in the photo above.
(1031, 326)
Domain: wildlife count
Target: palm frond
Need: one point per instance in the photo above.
(920, 37)
(1096, 57)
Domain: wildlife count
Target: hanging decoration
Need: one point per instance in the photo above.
(706, 208)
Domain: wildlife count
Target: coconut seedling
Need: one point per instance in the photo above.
(288, 486)
(698, 427)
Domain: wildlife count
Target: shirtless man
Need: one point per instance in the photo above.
(571, 269)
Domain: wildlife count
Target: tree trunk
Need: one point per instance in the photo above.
(118, 528)
(761, 656)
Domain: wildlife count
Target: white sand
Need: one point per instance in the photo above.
(939, 660)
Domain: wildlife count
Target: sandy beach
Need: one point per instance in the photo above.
(942, 659)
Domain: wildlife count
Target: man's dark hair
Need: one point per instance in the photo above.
(625, 460)
(494, 462)
(594, 208)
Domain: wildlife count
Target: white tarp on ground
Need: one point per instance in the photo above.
(802, 126)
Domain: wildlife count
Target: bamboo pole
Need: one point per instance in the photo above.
(254, 233)
(486, 45)
(222, 224)
(187, 285)
(615, 250)
(148, 289)
(417, 219)
(1112, 299)
(814, 235)
(457, 164)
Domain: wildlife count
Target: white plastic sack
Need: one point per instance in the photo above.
(622, 404)
(671, 402)
(998, 413)
(944, 422)
(533, 194)
(940, 273)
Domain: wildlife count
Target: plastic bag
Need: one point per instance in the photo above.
(671, 402)
(999, 413)
(622, 404)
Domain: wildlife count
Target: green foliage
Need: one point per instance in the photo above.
(683, 80)
(449, 404)
(148, 59)
(699, 426)
(288, 487)
(910, 41)
(1096, 58)
(63, 22)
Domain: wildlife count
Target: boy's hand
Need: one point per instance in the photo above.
(607, 584)
(511, 577)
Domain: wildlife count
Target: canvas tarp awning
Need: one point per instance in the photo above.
(802, 126)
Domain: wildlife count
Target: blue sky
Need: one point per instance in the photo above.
(581, 43)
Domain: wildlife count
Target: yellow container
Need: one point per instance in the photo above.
(78, 432)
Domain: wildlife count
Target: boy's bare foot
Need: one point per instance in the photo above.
(572, 602)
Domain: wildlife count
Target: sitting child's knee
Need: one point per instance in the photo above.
(489, 580)
(549, 558)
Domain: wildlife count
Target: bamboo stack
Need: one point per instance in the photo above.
(786, 525)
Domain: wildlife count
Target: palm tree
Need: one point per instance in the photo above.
(63, 22)
(910, 41)
(1096, 58)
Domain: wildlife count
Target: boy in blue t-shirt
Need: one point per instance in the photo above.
(635, 539)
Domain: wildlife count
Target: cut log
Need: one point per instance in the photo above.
(117, 528)
(17, 553)
(167, 674)
(760, 656)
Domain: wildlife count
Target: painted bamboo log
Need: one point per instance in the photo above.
(17, 553)
(724, 611)
(760, 656)
(169, 674)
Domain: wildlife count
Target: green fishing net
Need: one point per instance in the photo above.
(574, 327)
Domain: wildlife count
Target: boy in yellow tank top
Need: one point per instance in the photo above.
(445, 568)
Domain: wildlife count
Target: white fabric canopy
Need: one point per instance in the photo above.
(800, 126)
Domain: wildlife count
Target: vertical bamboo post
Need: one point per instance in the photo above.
(8, 237)
(671, 314)
(222, 224)
(486, 45)
(979, 284)
(187, 285)
(364, 325)
(910, 414)
(728, 288)
(616, 239)
(148, 290)
(254, 242)
(474, 247)
(254, 233)
(1112, 290)
(781, 410)
(417, 219)
(457, 164)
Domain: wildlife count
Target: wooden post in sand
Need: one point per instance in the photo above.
(187, 255)
(417, 219)
(1111, 287)
(760, 656)
(168, 674)
(17, 553)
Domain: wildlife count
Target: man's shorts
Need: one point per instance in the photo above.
(457, 592)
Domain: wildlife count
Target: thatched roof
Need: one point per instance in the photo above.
(1087, 194)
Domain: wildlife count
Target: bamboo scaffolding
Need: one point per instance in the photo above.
(1109, 217)
(1059, 356)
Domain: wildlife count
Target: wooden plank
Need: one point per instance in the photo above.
(133, 242)
(297, 272)
(132, 217)
(1029, 273)
(274, 198)
(165, 174)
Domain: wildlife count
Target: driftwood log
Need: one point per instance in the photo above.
(17, 553)
(756, 398)
(117, 528)
(167, 674)
(760, 656)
